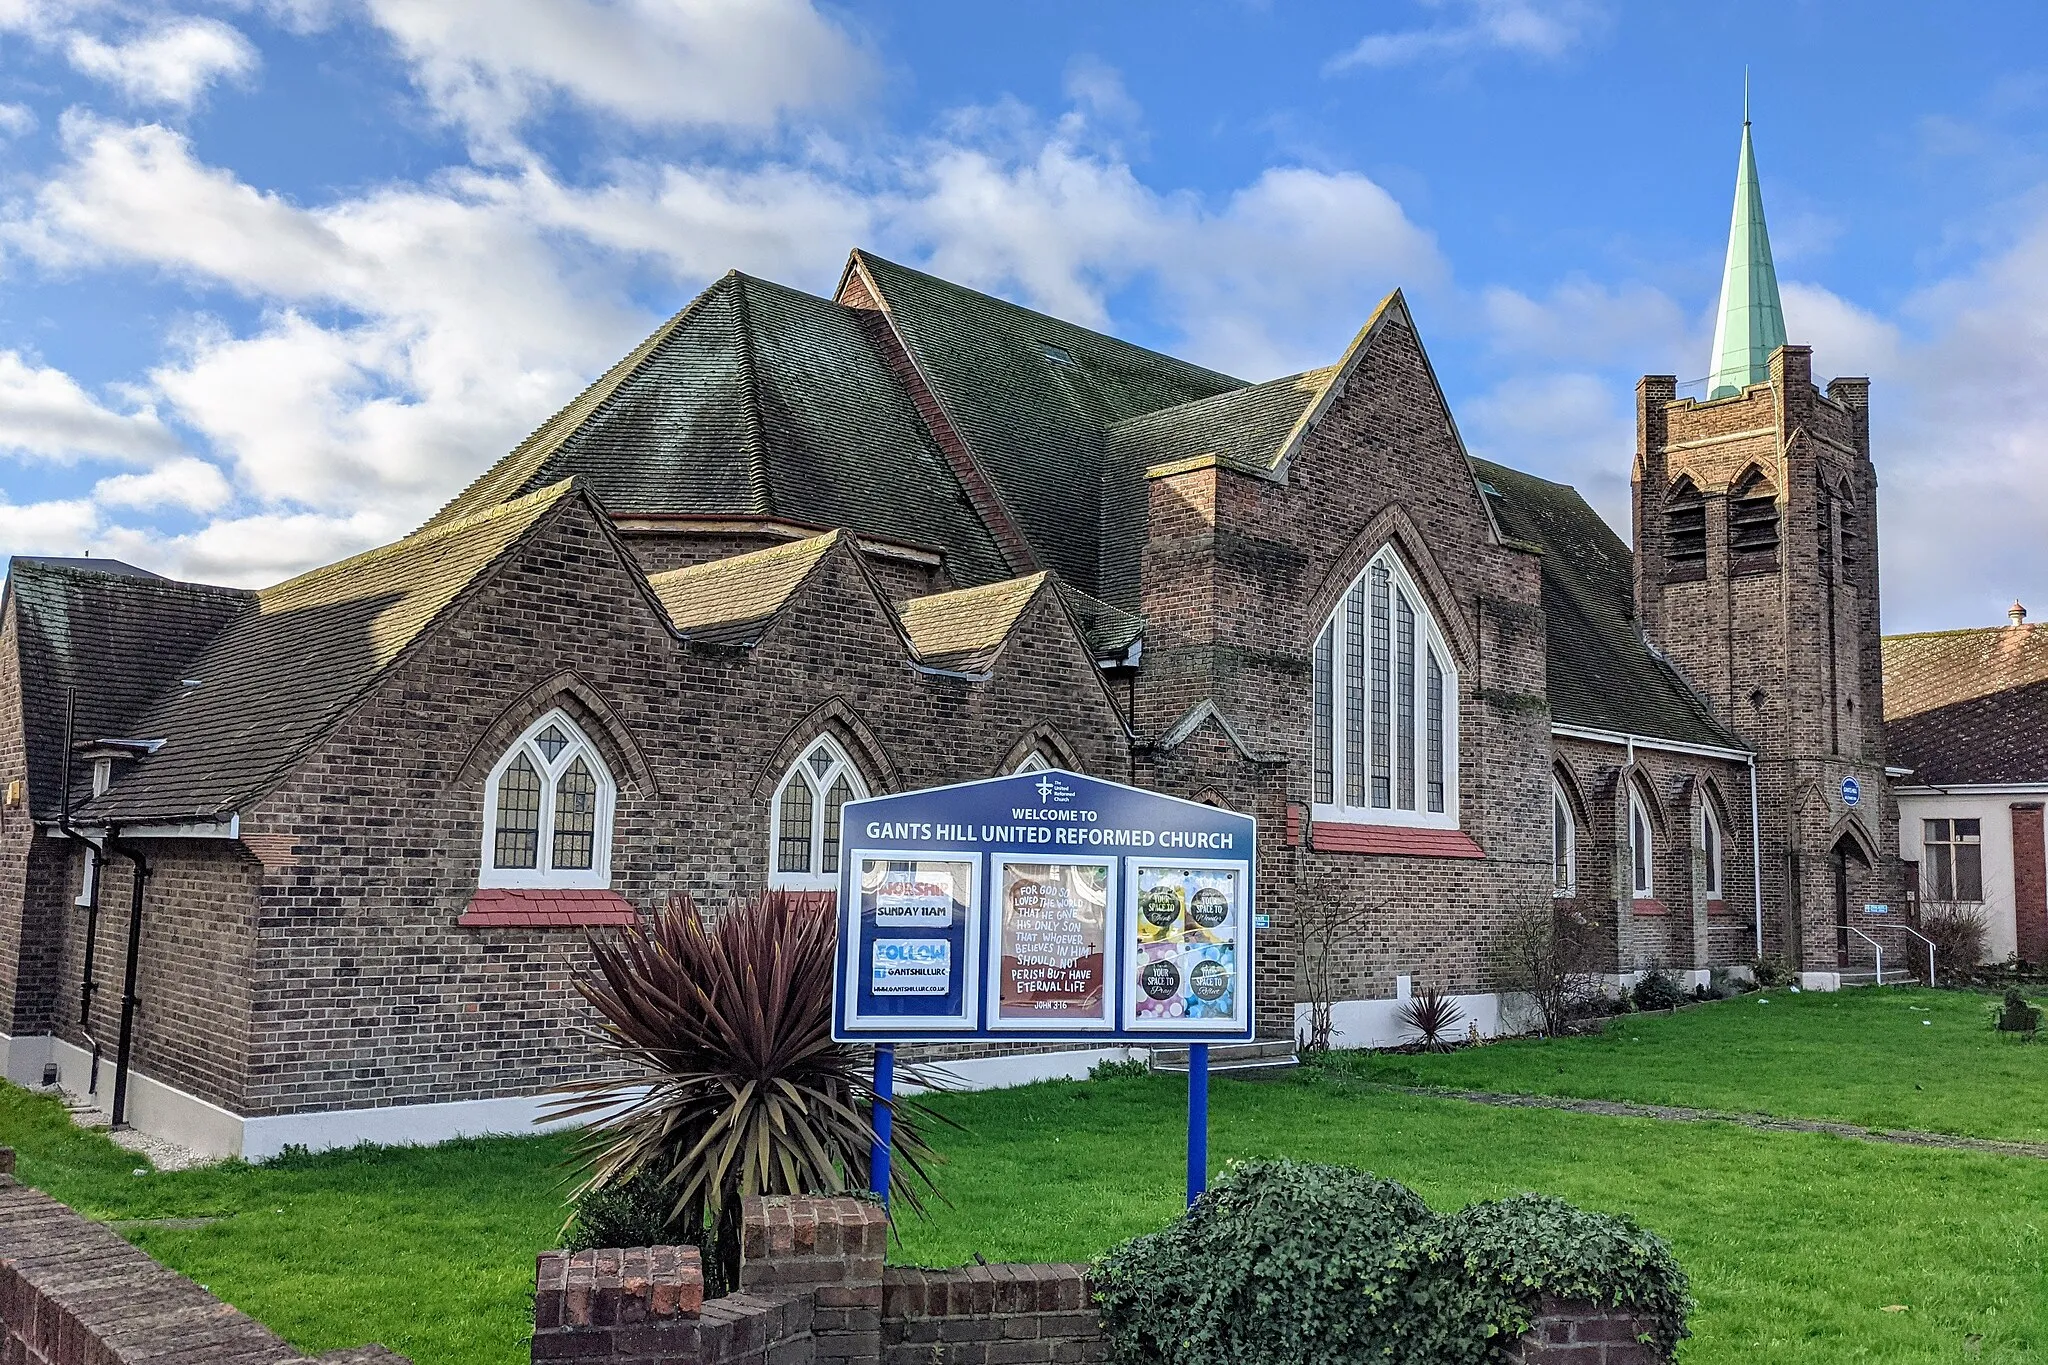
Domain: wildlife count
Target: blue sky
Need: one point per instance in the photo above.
(278, 276)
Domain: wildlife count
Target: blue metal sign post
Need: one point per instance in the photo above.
(1045, 907)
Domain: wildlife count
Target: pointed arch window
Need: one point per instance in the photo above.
(1384, 706)
(803, 832)
(1642, 848)
(1711, 848)
(1685, 530)
(1033, 762)
(1564, 843)
(1753, 519)
(548, 811)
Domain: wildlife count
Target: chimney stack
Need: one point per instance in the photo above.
(2017, 614)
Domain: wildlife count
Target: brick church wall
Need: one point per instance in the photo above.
(365, 989)
(1240, 574)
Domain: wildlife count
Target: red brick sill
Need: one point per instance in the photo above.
(499, 907)
(1402, 841)
(1645, 906)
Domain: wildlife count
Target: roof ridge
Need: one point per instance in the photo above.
(757, 427)
(42, 564)
(1964, 630)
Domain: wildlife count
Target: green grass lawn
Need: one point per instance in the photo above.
(1796, 1244)
(1891, 1058)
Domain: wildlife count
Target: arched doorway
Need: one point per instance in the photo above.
(1849, 863)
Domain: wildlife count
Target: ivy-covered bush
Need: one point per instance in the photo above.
(1292, 1264)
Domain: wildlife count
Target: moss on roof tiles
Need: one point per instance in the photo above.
(731, 601)
(1968, 706)
(1034, 398)
(756, 401)
(964, 630)
(277, 677)
(1602, 674)
(117, 635)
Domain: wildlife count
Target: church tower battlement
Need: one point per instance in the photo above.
(1755, 528)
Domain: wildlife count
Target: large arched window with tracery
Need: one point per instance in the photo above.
(1385, 706)
(548, 811)
(803, 834)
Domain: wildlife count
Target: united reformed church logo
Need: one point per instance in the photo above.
(1052, 791)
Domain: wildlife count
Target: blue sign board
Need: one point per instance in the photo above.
(1044, 906)
(1852, 791)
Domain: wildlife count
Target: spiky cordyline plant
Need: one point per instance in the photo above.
(729, 1083)
(1432, 1014)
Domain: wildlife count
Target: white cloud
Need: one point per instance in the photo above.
(247, 551)
(187, 483)
(62, 526)
(1584, 321)
(16, 120)
(741, 64)
(44, 412)
(1846, 339)
(170, 64)
(1542, 29)
(1570, 426)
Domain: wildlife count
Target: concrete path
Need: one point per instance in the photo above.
(1768, 1122)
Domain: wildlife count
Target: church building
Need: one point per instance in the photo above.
(316, 863)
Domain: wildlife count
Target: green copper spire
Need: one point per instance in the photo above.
(1751, 322)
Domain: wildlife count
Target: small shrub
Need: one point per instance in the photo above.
(1120, 1069)
(1657, 989)
(2015, 1015)
(1958, 932)
(1769, 971)
(627, 1213)
(1433, 1015)
(1289, 1264)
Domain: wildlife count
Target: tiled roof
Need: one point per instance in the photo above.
(731, 601)
(1034, 398)
(273, 681)
(755, 401)
(121, 637)
(963, 631)
(1602, 674)
(1968, 706)
(1246, 428)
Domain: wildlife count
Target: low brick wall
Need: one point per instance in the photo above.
(813, 1291)
(73, 1292)
(1573, 1332)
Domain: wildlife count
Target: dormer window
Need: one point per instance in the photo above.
(1058, 355)
(1385, 709)
(102, 775)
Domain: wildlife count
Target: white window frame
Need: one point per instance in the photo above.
(1714, 843)
(1955, 842)
(89, 873)
(820, 784)
(1033, 762)
(543, 874)
(1568, 885)
(1429, 639)
(1642, 848)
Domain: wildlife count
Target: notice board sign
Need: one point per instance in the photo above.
(1044, 906)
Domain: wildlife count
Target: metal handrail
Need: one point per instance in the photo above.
(1876, 945)
(1930, 949)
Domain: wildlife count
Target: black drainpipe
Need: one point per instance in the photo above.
(128, 998)
(96, 865)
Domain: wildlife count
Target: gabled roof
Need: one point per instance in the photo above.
(1245, 428)
(1968, 706)
(274, 680)
(755, 401)
(118, 635)
(963, 631)
(732, 601)
(1033, 398)
(1602, 674)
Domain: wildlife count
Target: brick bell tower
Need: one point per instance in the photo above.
(1756, 574)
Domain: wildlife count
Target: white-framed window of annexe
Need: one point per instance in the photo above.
(1952, 861)
(1642, 848)
(1711, 848)
(803, 832)
(1385, 708)
(548, 811)
(1564, 843)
